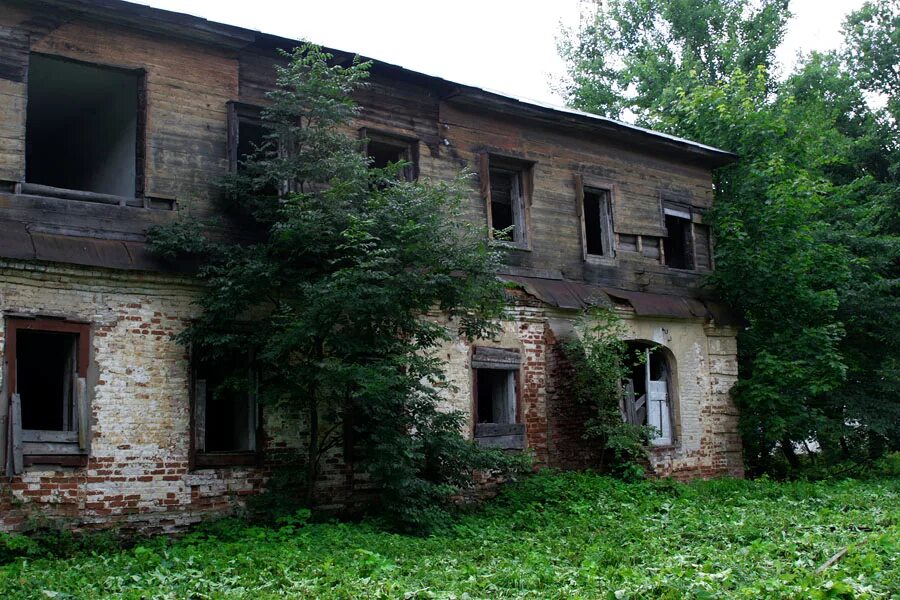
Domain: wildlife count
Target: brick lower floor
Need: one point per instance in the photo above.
(138, 470)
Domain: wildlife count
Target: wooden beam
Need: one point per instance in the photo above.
(16, 435)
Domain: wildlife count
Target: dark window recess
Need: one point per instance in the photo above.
(384, 153)
(596, 222)
(82, 126)
(251, 137)
(46, 371)
(678, 243)
(504, 198)
(225, 408)
(384, 149)
(496, 401)
(496, 396)
(44, 410)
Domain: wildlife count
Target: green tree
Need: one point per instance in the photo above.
(633, 56)
(600, 362)
(873, 49)
(804, 220)
(347, 280)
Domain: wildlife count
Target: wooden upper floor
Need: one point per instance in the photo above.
(114, 116)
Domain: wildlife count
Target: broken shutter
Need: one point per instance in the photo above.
(4, 422)
(579, 210)
(484, 174)
(82, 414)
(658, 412)
(16, 459)
(252, 412)
(69, 384)
(606, 223)
(200, 415)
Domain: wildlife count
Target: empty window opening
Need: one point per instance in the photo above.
(82, 126)
(384, 149)
(496, 396)
(648, 391)
(678, 245)
(225, 408)
(383, 153)
(596, 222)
(45, 375)
(507, 204)
(251, 137)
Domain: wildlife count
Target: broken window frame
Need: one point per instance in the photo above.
(684, 212)
(584, 185)
(667, 424)
(200, 458)
(507, 436)
(520, 203)
(20, 447)
(407, 148)
(139, 199)
(238, 113)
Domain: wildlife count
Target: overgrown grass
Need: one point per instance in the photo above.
(552, 536)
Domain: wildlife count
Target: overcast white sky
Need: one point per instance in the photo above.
(503, 45)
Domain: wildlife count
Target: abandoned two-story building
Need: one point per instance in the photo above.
(114, 117)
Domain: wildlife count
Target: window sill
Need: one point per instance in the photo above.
(665, 448)
(225, 459)
(503, 436)
(511, 245)
(60, 460)
(605, 261)
(47, 191)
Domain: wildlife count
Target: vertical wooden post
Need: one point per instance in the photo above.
(251, 412)
(4, 422)
(200, 415)
(82, 414)
(579, 210)
(484, 174)
(16, 435)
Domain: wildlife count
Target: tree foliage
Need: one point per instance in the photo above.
(805, 221)
(633, 56)
(599, 361)
(330, 288)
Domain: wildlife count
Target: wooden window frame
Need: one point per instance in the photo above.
(408, 146)
(507, 436)
(239, 112)
(522, 210)
(34, 447)
(588, 184)
(682, 209)
(199, 458)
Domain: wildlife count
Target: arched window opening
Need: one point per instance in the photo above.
(649, 391)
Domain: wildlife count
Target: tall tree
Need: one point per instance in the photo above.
(333, 290)
(805, 246)
(632, 56)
